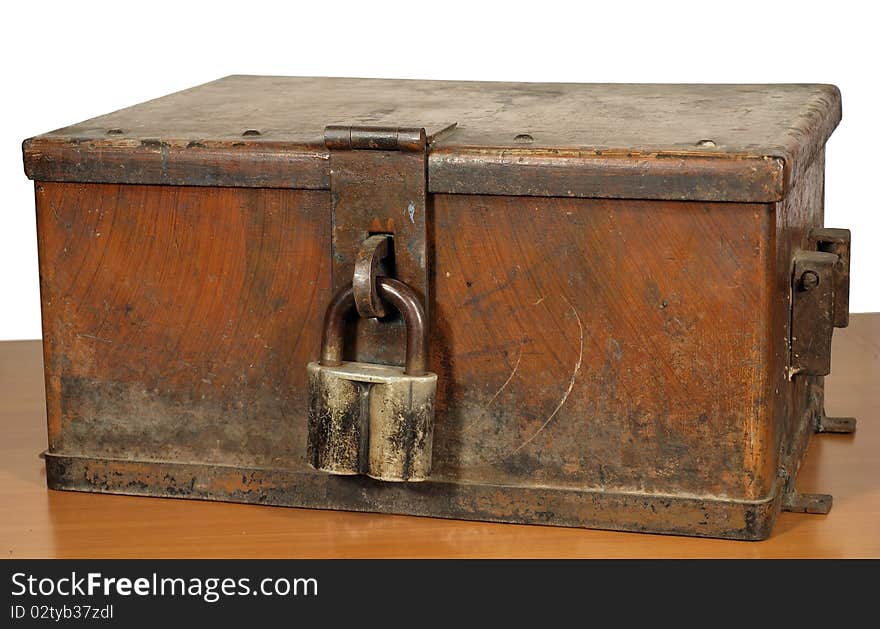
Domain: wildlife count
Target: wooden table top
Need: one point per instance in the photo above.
(37, 522)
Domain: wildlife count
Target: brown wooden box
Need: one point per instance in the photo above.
(630, 293)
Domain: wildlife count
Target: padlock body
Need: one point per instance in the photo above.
(371, 419)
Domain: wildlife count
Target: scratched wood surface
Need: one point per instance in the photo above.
(194, 349)
(743, 119)
(38, 522)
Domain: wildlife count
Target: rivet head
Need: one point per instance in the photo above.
(251, 132)
(523, 138)
(809, 280)
(707, 143)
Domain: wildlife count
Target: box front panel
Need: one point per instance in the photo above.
(583, 344)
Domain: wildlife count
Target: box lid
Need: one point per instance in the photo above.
(692, 142)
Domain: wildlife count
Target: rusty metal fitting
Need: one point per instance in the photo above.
(398, 295)
(809, 280)
(353, 138)
(366, 271)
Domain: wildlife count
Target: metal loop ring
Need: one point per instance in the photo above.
(366, 271)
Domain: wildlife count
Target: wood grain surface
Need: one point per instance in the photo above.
(37, 522)
(740, 119)
(698, 142)
(565, 363)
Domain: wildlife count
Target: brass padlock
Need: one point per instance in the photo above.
(373, 419)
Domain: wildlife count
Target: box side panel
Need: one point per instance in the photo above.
(602, 345)
(798, 401)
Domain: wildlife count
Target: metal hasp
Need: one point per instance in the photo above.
(378, 186)
(819, 303)
(367, 418)
(371, 416)
(819, 300)
(836, 242)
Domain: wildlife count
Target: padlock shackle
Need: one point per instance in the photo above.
(332, 337)
(398, 295)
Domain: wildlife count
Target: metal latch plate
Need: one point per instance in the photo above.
(819, 300)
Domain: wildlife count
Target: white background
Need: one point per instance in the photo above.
(70, 61)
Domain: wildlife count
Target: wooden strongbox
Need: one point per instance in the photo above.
(604, 306)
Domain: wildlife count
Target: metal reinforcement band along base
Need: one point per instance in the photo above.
(648, 513)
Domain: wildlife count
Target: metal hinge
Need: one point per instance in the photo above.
(379, 185)
(348, 138)
(819, 300)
